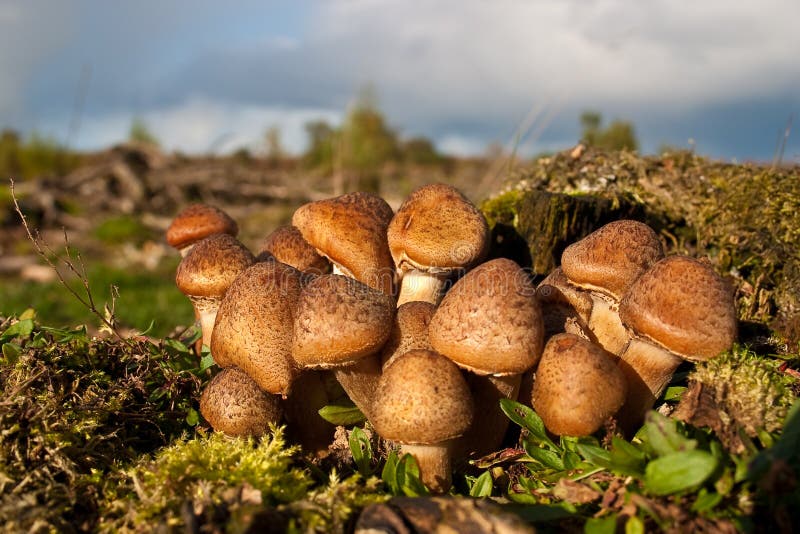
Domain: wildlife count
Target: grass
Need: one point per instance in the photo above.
(145, 297)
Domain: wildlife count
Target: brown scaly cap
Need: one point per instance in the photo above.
(684, 306)
(350, 230)
(253, 330)
(212, 265)
(233, 404)
(338, 321)
(199, 221)
(437, 229)
(609, 259)
(422, 398)
(490, 321)
(410, 330)
(286, 245)
(578, 386)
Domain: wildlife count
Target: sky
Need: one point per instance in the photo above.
(720, 76)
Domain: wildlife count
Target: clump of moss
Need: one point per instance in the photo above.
(748, 389)
(73, 409)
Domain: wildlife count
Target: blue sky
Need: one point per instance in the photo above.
(207, 76)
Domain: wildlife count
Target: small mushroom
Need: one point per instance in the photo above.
(207, 271)
(197, 222)
(678, 310)
(436, 234)
(490, 323)
(410, 330)
(423, 403)
(578, 386)
(605, 263)
(350, 230)
(286, 245)
(341, 324)
(232, 403)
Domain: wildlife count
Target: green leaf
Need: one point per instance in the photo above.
(192, 417)
(207, 362)
(543, 456)
(342, 414)
(679, 471)
(389, 473)
(408, 477)
(634, 525)
(706, 501)
(361, 449)
(527, 419)
(483, 485)
(594, 455)
(601, 525)
(11, 352)
(21, 328)
(29, 313)
(661, 434)
(674, 393)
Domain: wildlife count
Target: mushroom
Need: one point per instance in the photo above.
(680, 309)
(423, 403)
(436, 233)
(565, 308)
(253, 331)
(233, 404)
(350, 230)
(578, 386)
(341, 324)
(286, 245)
(197, 222)
(605, 263)
(490, 323)
(205, 273)
(409, 331)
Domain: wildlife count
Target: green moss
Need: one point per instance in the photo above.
(502, 208)
(748, 389)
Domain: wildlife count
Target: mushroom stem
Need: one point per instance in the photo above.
(421, 286)
(647, 369)
(435, 466)
(302, 407)
(606, 326)
(489, 424)
(205, 309)
(360, 381)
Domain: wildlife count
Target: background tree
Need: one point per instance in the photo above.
(618, 135)
(140, 133)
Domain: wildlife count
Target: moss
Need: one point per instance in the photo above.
(502, 208)
(748, 388)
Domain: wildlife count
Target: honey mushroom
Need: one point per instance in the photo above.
(196, 222)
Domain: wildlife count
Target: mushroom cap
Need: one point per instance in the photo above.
(338, 321)
(609, 259)
(350, 230)
(232, 403)
(578, 386)
(198, 221)
(555, 290)
(410, 329)
(684, 306)
(437, 229)
(211, 266)
(253, 329)
(286, 245)
(490, 321)
(422, 398)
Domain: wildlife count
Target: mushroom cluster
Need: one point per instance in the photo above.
(426, 337)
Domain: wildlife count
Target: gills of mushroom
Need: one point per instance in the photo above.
(207, 271)
(350, 230)
(678, 310)
(437, 233)
(490, 324)
(578, 386)
(423, 403)
(605, 263)
(341, 324)
(196, 222)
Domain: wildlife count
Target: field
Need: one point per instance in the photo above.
(99, 409)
